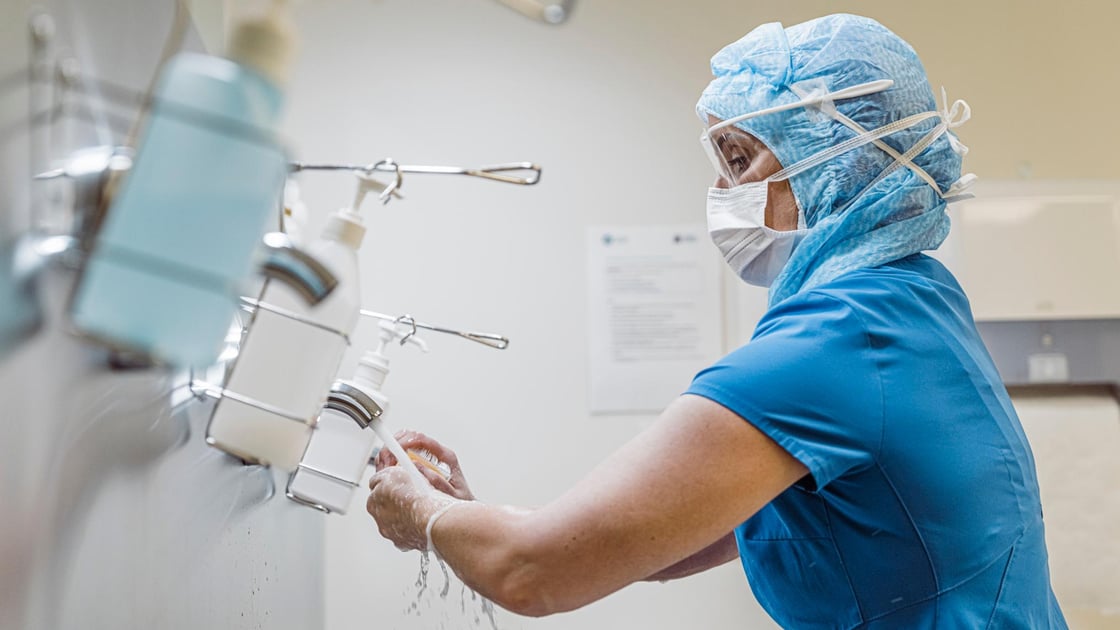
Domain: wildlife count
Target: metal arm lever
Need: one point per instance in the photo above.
(491, 340)
(549, 11)
(495, 172)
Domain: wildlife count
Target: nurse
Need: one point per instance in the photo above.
(861, 456)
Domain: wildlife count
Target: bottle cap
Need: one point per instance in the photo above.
(265, 44)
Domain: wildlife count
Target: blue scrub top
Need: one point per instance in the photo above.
(921, 509)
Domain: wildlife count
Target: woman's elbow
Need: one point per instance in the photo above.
(524, 589)
(528, 575)
(534, 586)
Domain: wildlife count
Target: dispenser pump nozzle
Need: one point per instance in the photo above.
(373, 367)
(392, 331)
(346, 225)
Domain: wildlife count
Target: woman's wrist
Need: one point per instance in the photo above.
(434, 515)
(438, 505)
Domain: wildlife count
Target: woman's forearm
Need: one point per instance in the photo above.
(720, 552)
(647, 507)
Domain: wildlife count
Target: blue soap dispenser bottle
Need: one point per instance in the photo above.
(182, 234)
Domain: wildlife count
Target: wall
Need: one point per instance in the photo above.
(605, 103)
(1075, 440)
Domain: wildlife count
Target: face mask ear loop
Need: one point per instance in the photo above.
(899, 157)
(904, 158)
(856, 127)
(850, 144)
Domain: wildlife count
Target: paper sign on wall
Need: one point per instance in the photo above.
(654, 309)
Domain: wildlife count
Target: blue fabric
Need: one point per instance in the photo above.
(851, 226)
(921, 509)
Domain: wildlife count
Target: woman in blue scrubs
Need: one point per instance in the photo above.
(861, 456)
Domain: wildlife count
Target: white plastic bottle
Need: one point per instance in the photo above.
(340, 448)
(287, 364)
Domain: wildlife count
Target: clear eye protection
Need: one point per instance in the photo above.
(731, 151)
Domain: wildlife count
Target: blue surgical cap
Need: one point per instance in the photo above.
(851, 226)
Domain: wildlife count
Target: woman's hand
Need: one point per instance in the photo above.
(456, 485)
(401, 508)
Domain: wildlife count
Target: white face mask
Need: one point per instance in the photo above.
(737, 225)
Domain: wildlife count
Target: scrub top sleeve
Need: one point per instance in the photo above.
(807, 380)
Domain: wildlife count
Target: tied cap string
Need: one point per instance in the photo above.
(953, 116)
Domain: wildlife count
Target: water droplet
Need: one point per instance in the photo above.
(424, 600)
(422, 578)
(446, 578)
(488, 608)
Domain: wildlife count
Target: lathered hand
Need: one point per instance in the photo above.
(454, 485)
(401, 508)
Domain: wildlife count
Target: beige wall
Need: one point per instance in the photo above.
(1041, 76)
(605, 103)
(1075, 441)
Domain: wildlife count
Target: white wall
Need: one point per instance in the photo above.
(605, 103)
(473, 83)
(1075, 441)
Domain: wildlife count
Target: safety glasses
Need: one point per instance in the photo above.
(731, 151)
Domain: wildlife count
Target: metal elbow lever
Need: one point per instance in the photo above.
(354, 403)
(549, 11)
(287, 263)
(95, 173)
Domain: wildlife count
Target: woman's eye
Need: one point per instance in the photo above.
(738, 163)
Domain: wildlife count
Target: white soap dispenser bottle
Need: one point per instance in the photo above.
(341, 447)
(291, 355)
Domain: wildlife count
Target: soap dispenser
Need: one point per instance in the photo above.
(291, 354)
(341, 446)
(182, 232)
